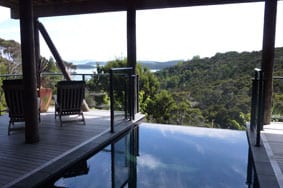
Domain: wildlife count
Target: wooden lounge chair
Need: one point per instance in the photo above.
(69, 99)
(14, 95)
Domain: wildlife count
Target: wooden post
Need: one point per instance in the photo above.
(131, 39)
(131, 50)
(268, 55)
(29, 71)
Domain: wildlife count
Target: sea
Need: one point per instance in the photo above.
(93, 71)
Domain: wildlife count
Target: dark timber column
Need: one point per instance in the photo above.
(29, 73)
(131, 50)
(268, 55)
(131, 38)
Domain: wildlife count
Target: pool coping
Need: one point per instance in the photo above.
(42, 175)
(265, 172)
(274, 163)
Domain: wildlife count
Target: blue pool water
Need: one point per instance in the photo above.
(166, 156)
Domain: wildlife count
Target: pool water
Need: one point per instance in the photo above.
(155, 155)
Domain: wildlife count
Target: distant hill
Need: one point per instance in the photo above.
(87, 64)
(158, 64)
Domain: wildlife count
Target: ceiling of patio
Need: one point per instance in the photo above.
(43, 8)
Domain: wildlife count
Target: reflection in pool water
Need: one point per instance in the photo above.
(166, 156)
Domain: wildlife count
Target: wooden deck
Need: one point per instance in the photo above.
(268, 158)
(19, 162)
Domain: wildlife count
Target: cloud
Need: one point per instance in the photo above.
(149, 161)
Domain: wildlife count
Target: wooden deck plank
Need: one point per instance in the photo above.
(19, 160)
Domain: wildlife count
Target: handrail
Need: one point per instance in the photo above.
(6, 76)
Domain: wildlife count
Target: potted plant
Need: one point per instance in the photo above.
(45, 91)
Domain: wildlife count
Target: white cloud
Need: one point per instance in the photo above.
(149, 161)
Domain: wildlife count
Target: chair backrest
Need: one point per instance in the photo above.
(70, 95)
(14, 95)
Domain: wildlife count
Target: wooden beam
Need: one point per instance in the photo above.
(59, 8)
(29, 71)
(268, 55)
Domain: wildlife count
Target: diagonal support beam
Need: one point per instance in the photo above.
(57, 56)
(53, 50)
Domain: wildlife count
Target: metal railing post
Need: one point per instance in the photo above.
(260, 106)
(133, 91)
(254, 102)
(138, 90)
(111, 102)
(126, 97)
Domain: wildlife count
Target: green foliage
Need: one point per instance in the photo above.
(148, 83)
(48, 66)
(159, 108)
(10, 52)
(220, 87)
(10, 61)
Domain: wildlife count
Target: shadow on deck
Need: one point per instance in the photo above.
(59, 147)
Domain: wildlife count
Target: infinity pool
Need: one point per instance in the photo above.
(155, 155)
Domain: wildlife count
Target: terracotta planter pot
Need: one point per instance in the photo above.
(45, 98)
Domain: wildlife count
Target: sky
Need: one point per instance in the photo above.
(162, 35)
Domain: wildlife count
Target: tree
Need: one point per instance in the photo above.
(160, 108)
(148, 82)
(48, 66)
(10, 50)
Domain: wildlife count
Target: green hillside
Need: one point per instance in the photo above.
(220, 86)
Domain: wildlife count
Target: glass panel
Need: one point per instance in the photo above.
(120, 162)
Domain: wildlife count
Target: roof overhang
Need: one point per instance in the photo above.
(47, 8)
